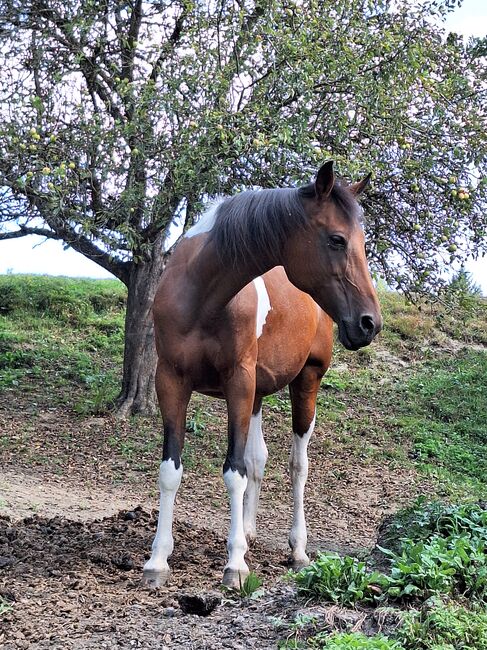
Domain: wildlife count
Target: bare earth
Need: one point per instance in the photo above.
(76, 526)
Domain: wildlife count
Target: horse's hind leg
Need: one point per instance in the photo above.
(303, 391)
(173, 393)
(255, 460)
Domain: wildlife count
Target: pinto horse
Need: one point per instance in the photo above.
(246, 307)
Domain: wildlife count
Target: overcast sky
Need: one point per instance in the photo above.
(35, 255)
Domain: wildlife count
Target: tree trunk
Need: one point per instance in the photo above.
(139, 363)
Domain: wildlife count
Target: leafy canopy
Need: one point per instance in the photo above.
(122, 116)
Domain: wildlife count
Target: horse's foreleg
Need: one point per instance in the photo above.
(239, 392)
(173, 395)
(255, 460)
(303, 392)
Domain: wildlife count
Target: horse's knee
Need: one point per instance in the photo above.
(298, 466)
(255, 466)
(170, 473)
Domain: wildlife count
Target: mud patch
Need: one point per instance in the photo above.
(74, 584)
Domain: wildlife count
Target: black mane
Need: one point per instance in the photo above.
(255, 225)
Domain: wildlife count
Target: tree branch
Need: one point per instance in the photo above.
(60, 229)
(168, 46)
(127, 45)
(92, 73)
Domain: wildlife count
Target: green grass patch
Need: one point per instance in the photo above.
(438, 563)
(443, 410)
(432, 414)
(440, 550)
(66, 299)
(423, 520)
(353, 641)
(64, 334)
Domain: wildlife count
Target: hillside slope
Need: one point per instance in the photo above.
(404, 417)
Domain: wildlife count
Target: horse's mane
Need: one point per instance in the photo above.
(254, 225)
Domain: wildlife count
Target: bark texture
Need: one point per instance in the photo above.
(139, 364)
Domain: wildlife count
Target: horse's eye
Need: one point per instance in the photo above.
(337, 241)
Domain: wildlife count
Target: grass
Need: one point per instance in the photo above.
(431, 414)
(444, 626)
(447, 420)
(67, 334)
(5, 606)
(406, 323)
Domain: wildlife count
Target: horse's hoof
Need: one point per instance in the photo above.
(298, 564)
(234, 579)
(154, 579)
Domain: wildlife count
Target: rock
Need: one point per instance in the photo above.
(125, 563)
(199, 604)
(170, 612)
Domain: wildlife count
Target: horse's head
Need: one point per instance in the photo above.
(327, 258)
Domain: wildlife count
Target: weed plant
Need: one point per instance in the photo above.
(340, 580)
(353, 641)
(439, 552)
(444, 625)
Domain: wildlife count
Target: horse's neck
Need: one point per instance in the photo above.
(214, 284)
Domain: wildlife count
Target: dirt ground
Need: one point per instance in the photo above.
(76, 527)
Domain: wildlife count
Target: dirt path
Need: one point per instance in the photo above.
(23, 495)
(77, 519)
(73, 579)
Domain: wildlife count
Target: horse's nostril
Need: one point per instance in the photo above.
(367, 324)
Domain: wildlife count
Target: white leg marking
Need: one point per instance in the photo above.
(263, 305)
(163, 545)
(237, 544)
(255, 458)
(206, 221)
(298, 465)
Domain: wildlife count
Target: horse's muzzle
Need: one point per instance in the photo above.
(355, 334)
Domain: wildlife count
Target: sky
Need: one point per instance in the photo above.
(36, 255)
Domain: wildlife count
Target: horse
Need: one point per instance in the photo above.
(245, 307)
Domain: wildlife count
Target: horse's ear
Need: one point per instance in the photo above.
(325, 180)
(358, 188)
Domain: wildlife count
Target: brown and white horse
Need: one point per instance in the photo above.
(244, 308)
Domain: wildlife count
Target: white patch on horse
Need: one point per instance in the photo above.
(298, 466)
(163, 545)
(255, 458)
(263, 305)
(237, 544)
(206, 221)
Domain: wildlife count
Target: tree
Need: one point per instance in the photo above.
(122, 117)
(464, 293)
